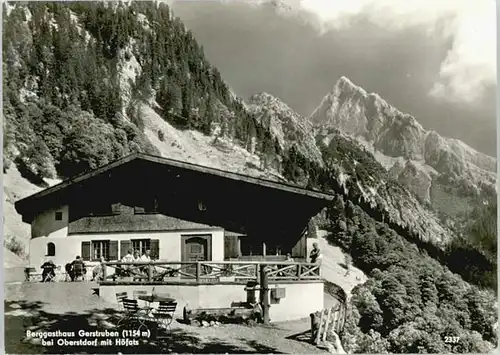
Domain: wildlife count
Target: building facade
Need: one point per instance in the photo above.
(179, 211)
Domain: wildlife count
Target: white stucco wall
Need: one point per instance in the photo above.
(301, 299)
(45, 224)
(69, 246)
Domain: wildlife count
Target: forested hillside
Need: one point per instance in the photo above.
(411, 303)
(69, 83)
(76, 75)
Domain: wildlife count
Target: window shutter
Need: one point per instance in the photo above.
(139, 210)
(116, 208)
(155, 249)
(113, 250)
(86, 250)
(124, 247)
(231, 246)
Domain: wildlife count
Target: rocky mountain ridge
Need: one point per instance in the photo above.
(358, 175)
(416, 157)
(287, 126)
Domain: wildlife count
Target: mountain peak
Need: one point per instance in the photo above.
(266, 99)
(345, 82)
(393, 135)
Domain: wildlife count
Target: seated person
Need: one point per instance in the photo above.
(77, 268)
(146, 257)
(48, 272)
(97, 271)
(69, 268)
(137, 255)
(135, 270)
(125, 269)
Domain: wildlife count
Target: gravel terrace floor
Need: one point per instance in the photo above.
(68, 306)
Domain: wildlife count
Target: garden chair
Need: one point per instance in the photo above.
(79, 272)
(51, 276)
(120, 296)
(132, 313)
(164, 314)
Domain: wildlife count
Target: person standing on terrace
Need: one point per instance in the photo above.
(315, 254)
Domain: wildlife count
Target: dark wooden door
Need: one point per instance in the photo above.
(195, 248)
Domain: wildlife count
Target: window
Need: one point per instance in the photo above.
(58, 216)
(100, 248)
(51, 249)
(141, 245)
(195, 248)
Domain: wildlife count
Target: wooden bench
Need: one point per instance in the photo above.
(31, 275)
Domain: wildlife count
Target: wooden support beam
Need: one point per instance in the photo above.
(104, 271)
(264, 294)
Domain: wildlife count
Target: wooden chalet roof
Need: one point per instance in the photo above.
(30, 203)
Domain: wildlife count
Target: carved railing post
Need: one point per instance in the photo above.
(247, 270)
(104, 270)
(198, 272)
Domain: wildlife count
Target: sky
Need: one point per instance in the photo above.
(434, 59)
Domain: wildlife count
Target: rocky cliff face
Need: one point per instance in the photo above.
(416, 157)
(287, 126)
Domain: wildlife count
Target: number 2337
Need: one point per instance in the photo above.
(451, 340)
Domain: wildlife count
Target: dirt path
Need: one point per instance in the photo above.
(331, 268)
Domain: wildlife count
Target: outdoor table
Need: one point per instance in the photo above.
(154, 298)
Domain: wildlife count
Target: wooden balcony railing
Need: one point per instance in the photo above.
(207, 271)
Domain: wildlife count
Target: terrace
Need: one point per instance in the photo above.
(287, 290)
